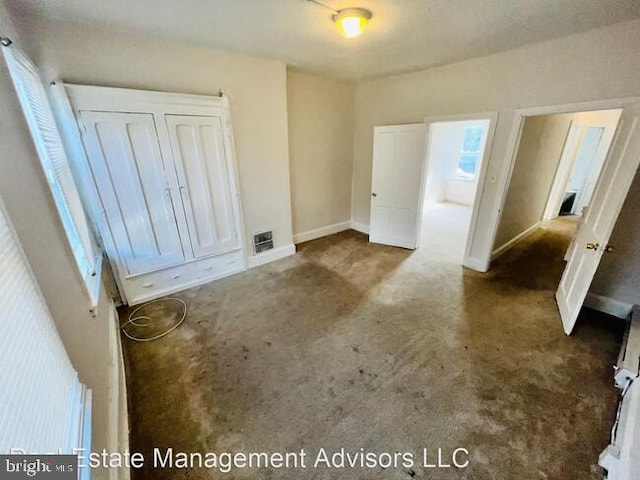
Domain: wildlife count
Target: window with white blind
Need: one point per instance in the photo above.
(43, 406)
(44, 131)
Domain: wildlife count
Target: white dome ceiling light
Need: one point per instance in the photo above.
(350, 21)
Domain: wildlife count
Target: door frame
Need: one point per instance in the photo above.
(505, 171)
(570, 149)
(493, 117)
(563, 170)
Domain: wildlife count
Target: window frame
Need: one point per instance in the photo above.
(80, 236)
(478, 154)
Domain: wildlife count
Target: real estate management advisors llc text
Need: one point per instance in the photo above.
(322, 458)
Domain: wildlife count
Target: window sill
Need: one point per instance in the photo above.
(463, 180)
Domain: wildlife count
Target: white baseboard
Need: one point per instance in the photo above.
(360, 227)
(271, 255)
(321, 232)
(608, 305)
(475, 264)
(514, 241)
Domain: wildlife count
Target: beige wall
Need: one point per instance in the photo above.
(541, 146)
(320, 148)
(618, 276)
(92, 54)
(538, 157)
(589, 66)
(90, 342)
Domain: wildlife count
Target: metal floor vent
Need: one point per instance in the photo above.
(263, 242)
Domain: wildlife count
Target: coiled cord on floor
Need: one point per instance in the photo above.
(145, 321)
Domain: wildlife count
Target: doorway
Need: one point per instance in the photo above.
(557, 164)
(532, 154)
(454, 160)
(587, 142)
(401, 182)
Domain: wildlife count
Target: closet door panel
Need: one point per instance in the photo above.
(131, 178)
(197, 144)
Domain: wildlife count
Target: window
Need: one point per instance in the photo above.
(42, 402)
(470, 152)
(45, 135)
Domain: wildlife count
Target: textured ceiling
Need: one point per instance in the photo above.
(403, 34)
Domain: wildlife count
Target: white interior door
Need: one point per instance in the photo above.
(599, 219)
(131, 177)
(197, 143)
(398, 161)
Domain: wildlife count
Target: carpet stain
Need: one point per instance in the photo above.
(360, 346)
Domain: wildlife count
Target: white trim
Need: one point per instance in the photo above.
(469, 261)
(360, 227)
(158, 104)
(38, 112)
(474, 264)
(93, 97)
(72, 139)
(563, 170)
(608, 305)
(321, 232)
(135, 300)
(515, 240)
(505, 170)
(86, 431)
(272, 255)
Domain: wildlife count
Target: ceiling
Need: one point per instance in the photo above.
(403, 35)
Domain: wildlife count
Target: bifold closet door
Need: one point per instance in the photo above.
(197, 143)
(131, 176)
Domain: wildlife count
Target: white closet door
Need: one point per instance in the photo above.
(132, 182)
(198, 149)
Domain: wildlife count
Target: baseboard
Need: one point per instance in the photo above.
(608, 305)
(514, 241)
(475, 264)
(360, 227)
(271, 255)
(321, 232)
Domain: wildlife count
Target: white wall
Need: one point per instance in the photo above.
(445, 144)
(320, 117)
(589, 66)
(92, 343)
(445, 139)
(97, 55)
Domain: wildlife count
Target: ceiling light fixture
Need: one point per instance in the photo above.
(350, 21)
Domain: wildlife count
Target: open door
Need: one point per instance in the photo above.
(594, 232)
(398, 159)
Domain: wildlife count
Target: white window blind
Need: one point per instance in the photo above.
(44, 131)
(41, 400)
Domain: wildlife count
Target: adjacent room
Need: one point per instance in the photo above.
(454, 160)
(558, 162)
(288, 240)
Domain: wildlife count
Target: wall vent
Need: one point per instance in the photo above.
(262, 242)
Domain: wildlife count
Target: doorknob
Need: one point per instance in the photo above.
(593, 246)
(374, 194)
(608, 248)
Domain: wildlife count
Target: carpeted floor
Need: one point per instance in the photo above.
(360, 346)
